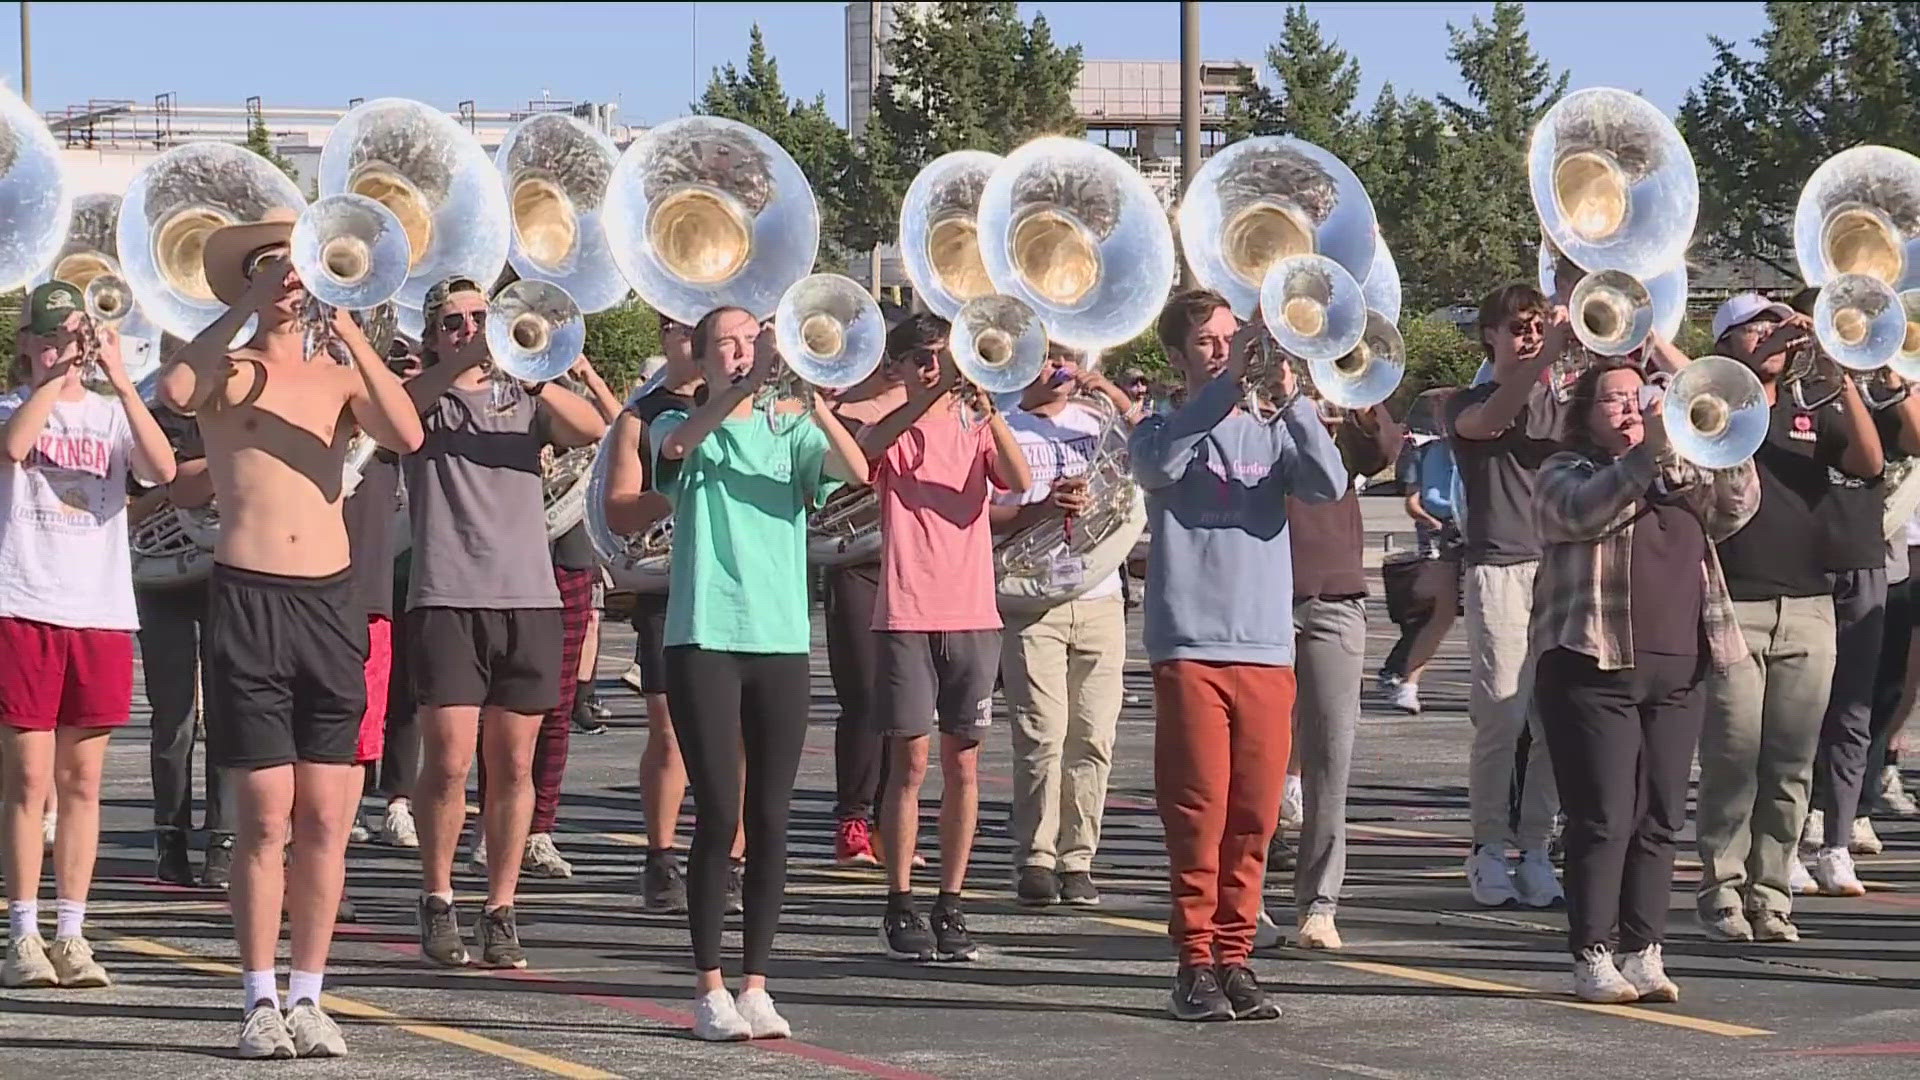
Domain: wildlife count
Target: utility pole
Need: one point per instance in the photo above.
(1189, 106)
(26, 56)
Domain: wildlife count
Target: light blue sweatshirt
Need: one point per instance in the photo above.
(1220, 569)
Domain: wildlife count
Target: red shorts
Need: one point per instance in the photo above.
(57, 676)
(373, 726)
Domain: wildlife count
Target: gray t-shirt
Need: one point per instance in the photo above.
(476, 500)
(1496, 476)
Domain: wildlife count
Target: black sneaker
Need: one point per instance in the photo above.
(1197, 996)
(905, 936)
(736, 886)
(662, 889)
(1244, 994)
(597, 708)
(1280, 854)
(585, 722)
(1037, 887)
(170, 848)
(1076, 888)
(218, 873)
(950, 938)
(440, 933)
(499, 939)
(347, 912)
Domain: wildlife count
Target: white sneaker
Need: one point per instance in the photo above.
(1266, 932)
(1534, 880)
(1489, 878)
(1596, 979)
(1894, 798)
(1646, 972)
(1318, 932)
(1292, 804)
(1406, 698)
(1799, 881)
(1833, 873)
(1863, 840)
(397, 829)
(1813, 832)
(716, 1019)
(477, 858)
(49, 828)
(756, 1008)
(543, 859)
(358, 834)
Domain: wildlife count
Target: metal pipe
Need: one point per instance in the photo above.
(26, 55)
(1189, 107)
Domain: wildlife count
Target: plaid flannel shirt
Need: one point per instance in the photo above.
(1585, 510)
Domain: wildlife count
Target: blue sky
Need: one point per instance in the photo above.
(652, 58)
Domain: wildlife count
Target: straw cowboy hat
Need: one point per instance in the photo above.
(228, 249)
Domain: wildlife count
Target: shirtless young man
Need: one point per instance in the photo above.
(286, 644)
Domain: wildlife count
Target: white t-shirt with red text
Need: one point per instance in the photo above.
(64, 554)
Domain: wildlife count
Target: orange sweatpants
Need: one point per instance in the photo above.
(1221, 738)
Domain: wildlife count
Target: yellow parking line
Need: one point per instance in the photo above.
(339, 1006)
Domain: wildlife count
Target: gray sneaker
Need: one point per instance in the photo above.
(27, 965)
(1726, 924)
(315, 1035)
(440, 933)
(74, 965)
(263, 1034)
(1772, 926)
(500, 939)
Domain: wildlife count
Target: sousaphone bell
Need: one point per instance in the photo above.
(1369, 373)
(1613, 183)
(830, 331)
(999, 343)
(1859, 213)
(555, 170)
(939, 230)
(534, 331)
(1715, 412)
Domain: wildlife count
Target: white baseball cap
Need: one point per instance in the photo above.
(1744, 308)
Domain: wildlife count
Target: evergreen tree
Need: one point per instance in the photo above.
(260, 141)
(1316, 84)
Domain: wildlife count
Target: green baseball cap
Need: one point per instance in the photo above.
(49, 305)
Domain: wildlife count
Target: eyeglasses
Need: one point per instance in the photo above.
(1523, 327)
(454, 320)
(1618, 403)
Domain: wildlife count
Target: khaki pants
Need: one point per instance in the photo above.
(1500, 703)
(1756, 753)
(1062, 671)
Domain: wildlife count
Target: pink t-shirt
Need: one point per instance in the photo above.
(936, 569)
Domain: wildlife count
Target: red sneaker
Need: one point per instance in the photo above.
(854, 844)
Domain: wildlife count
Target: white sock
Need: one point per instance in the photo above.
(444, 897)
(304, 986)
(23, 918)
(259, 986)
(71, 914)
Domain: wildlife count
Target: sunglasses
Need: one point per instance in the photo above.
(1527, 326)
(454, 320)
(262, 258)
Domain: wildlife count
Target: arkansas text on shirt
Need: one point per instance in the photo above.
(64, 556)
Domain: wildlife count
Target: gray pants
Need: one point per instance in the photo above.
(1756, 752)
(1330, 644)
(1846, 732)
(1500, 702)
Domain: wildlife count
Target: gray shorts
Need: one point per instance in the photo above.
(924, 675)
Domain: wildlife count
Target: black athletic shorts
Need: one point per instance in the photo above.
(508, 658)
(286, 661)
(942, 677)
(650, 625)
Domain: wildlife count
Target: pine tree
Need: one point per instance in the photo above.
(1317, 82)
(260, 141)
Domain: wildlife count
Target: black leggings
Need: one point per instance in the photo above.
(721, 702)
(1622, 743)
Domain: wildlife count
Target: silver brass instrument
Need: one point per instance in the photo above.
(432, 174)
(939, 230)
(173, 204)
(1902, 485)
(1381, 287)
(555, 170)
(1613, 182)
(830, 331)
(534, 331)
(1101, 537)
(565, 485)
(90, 253)
(1611, 312)
(107, 300)
(173, 546)
(36, 201)
(1366, 376)
(1072, 231)
(1859, 321)
(704, 212)
(640, 563)
(1859, 213)
(1906, 362)
(350, 253)
(1715, 412)
(1313, 307)
(845, 531)
(999, 344)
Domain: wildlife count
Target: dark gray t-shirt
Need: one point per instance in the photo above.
(476, 503)
(1496, 476)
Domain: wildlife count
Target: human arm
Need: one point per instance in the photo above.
(1861, 456)
(1725, 499)
(598, 392)
(1009, 462)
(844, 460)
(569, 419)
(1162, 446)
(198, 371)
(378, 399)
(1490, 417)
(24, 427)
(631, 509)
(1314, 471)
(150, 455)
(876, 438)
(1661, 355)
(1091, 381)
(192, 485)
(1577, 499)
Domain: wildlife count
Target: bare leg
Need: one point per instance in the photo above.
(508, 812)
(590, 648)
(663, 776)
(28, 780)
(447, 735)
(1427, 642)
(265, 803)
(79, 754)
(959, 807)
(900, 819)
(323, 807)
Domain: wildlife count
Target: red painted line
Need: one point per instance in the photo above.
(652, 1010)
(1861, 1050)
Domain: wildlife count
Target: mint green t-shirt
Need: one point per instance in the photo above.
(740, 504)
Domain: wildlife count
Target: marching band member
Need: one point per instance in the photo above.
(368, 514)
(1631, 610)
(1062, 665)
(1217, 481)
(1763, 715)
(286, 641)
(484, 615)
(67, 614)
(1500, 432)
(741, 483)
(1432, 584)
(173, 621)
(938, 620)
(1330, 650)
